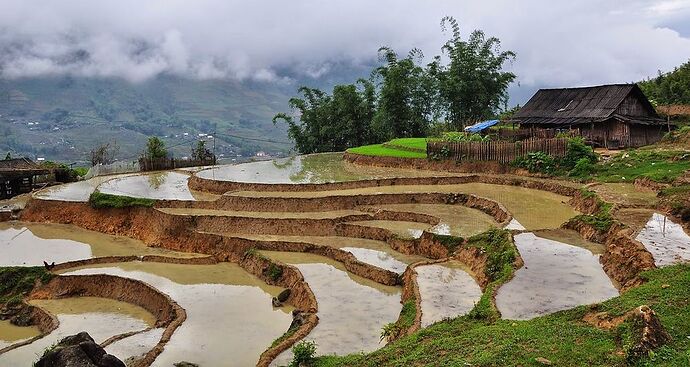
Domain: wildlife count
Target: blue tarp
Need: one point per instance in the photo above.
(480, 126)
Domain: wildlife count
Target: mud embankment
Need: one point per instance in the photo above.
(428, 165)
(43, 320)
(624, 258)
(168, 313)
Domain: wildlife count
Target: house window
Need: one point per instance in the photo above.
(566, 106)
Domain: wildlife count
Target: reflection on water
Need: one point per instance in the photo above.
(351, 313)
(29, 244)
(229, 311)
(409, 230)
(75, 191)
(667, 241)
(313, 168)
(102, 318)
(167, 185)
(556, 276)
(535, 209)
(377, 258)
(456, 220)
(447, 291)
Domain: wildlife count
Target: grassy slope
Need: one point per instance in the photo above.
(414, 143)
(381, 151)
(659, 166)
(16, 282)
(561, 337)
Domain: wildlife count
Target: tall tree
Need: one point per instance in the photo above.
(155, 148)
(473, 85)
(406, 94)
(331, 122)
(669, 88)
(104, 153)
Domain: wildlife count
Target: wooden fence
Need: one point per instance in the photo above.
(499, 151)
(158, 164)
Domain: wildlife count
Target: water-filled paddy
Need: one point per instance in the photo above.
(11, 334)
(666, 240)
(278, 215)
(75, 191)
(102, 318)
(372, 252)
(556, 276)
(313, 168)
(29, 244)
(447, 291)
(402, 229)
(352, 310)
(229, 311)
(159, 185)
(534, 209)
(456, 220)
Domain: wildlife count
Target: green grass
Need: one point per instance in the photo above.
(412, 143)
(100, 200)
(378, 150)
(404, 322)
(654, 165)
(449, 242)
(17, 282)
(561, 338)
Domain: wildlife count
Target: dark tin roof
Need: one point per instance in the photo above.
(19, 165)
(571, 106)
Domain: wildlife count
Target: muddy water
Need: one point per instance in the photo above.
(556, 276)
(29, 244)
(280, 215)
(402, 229)
(372, 252)
(626, 194)
(102, 318)
(667, 241)
(10, 334)
(75, 191)
(534, 209)
(136, 345)
(571, 237)
(447, 291)
(159, 185)
(313, 168)
(229, 311)
(456, 220)
(351, 313)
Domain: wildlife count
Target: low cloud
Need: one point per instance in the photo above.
(557, 43)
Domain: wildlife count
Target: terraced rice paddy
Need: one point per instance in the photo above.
(230, 319)
(103, 318)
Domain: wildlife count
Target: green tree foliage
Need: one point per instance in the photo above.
(155, 148)
(406, 95)
(332, 122)
(669, 88)
(200, 152)
(473, 86)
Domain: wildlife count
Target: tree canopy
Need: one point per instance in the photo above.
(155, 148)
(403, 97)
(669, 88)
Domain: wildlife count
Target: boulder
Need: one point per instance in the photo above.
(78, 350)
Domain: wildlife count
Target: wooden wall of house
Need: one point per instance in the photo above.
(631, 106)
(615, 134)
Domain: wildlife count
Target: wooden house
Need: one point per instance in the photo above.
(17, 176)
(610, 116)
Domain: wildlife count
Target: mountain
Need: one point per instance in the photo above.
(62, 118)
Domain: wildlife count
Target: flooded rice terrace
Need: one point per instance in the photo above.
(313, 168)
(230, 316)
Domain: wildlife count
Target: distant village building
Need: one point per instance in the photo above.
(17, 176)
(611, 116)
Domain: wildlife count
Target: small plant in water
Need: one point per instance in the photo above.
(275, 272)
(303, 353)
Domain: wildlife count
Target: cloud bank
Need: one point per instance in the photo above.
(557, 43)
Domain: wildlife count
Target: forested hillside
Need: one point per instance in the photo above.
(669, 88)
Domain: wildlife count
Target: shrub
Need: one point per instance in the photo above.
(584, 167)
(536, 162)
(303, 353)
(274, 272)
(577, 150)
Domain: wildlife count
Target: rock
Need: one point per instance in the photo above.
(298, 319)
(649, 333)
(78, 351)
(185, 364)
(284, 295)
(276, 302)
(543, 361)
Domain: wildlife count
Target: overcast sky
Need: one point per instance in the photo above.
(558, 43)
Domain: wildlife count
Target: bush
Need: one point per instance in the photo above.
(577, 150)
(303, 353)
(584, 167)
(536, 162)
